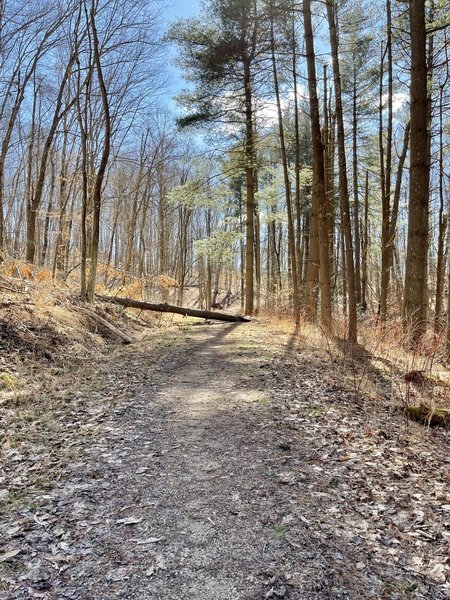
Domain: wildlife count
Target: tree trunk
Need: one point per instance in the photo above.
(365, 247)
(386, 170)
(442, 224)
(82, 116)
(242, 254)
(179, 310)
(58, 261)
(250, 183)
(415, 296)
(356, 191)
(297, 200)
(35, 203)
(343, 183)
(287, 183)
(257, 258)
(328, 142)
(126, 339)
(97, 193)
(319, 187)
(48, 216)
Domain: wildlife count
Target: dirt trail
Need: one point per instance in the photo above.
(190, 456)
(196, 483)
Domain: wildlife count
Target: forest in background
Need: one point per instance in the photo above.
(297, 187)
(305, 172)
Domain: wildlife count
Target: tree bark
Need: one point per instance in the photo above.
(415, 297)
(126, 339)
(297, 200)
(319, 187)
(386, 170)
(343, 182)
(442, 224)
(365, 247)
(355, 188)
(250, 183)
(287, 183)
(97, 193)
(48, 216)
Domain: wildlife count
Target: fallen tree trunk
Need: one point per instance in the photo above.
(126, 339)
(433, 417)
(179, 310)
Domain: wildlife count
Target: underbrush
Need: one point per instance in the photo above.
(43, 325)
(45, 330)
(382, 366)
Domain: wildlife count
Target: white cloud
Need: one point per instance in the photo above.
(267, 111)
(398, 100)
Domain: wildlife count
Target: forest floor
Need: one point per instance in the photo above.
(219, 462)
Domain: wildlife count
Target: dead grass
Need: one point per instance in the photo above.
(44, 335)
(40, 324)
(376, 367)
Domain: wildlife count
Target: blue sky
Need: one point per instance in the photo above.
(182, 8)
(177, 9)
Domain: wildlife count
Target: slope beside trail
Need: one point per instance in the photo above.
(229, 467)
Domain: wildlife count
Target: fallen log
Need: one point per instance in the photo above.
(179, 310)
(433, 417)
(126, 339)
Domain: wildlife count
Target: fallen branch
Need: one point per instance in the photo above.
(5, 303)
(11, 285)
(179, 310)
(126, 339)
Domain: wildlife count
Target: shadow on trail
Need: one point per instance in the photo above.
(225, 501)
(359, 360)
(234, 486)
(293, 343)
